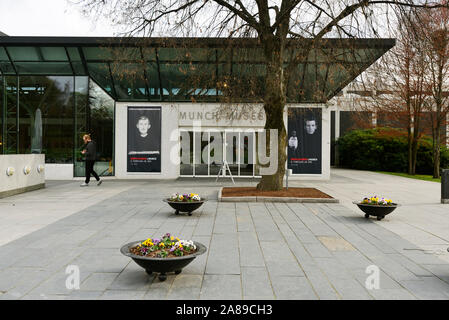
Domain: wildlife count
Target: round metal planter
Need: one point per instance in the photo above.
(181, 206)
(379, 211)
(162, 265)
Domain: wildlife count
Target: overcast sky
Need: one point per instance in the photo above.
(47, 18)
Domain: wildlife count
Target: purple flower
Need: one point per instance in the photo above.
(156, 241)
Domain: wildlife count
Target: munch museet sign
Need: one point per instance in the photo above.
(213, 116)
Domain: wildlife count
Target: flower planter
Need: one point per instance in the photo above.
(184, 206)
(162, 265)
(379, 211)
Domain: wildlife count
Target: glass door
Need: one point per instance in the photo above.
(203, 153)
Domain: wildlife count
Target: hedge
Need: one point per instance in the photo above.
(386, 149)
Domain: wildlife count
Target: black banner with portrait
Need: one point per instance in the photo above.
(304, 140)
(144, 139)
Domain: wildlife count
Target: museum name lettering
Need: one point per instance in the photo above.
(209, 115)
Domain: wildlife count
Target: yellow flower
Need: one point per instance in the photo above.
(172, 238)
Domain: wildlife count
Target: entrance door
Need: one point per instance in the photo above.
(94, 115)
(203, 153)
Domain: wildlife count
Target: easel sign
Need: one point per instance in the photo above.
(223, 169)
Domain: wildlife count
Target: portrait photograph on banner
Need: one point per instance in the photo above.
(304, 140)
(144, 139)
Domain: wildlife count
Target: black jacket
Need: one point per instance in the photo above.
(91, 151)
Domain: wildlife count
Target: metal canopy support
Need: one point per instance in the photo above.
(145, 76)
(10, 61)
(161, 93)
(112, 82)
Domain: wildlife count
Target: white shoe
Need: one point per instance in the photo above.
(84, 185)
(99, 182)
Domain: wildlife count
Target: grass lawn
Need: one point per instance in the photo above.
(416, 176)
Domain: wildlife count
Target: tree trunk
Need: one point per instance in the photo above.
(436, 152)
(410, 153)
(415, 141)
(274, 102)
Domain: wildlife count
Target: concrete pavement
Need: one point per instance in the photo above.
(255, 250)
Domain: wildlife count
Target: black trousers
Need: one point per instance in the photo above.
(90, 169)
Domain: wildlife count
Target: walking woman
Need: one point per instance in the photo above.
(90, 151)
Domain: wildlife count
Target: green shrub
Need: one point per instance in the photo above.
(385, 149)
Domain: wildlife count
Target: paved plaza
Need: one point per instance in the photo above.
(255, 250)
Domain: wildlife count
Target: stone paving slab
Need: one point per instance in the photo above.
(255, 251)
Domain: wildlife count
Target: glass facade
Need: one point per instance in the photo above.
(183, 69)
(50, 114)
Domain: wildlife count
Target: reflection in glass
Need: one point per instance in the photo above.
(94, 115)
(246, 162)
(232, 145)
(216, 152)
(46, 117)
(201, 153)
(186, 153)
(10, 115)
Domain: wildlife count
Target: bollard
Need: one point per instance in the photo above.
(445, 186)
(288, 173)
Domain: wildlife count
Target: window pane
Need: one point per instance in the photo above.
(186, 55)
(94, 115)
(74, 54)
(187, 82)
(129, 81)
(46, 117)
(232, 142)
(11, 123)
(216, 152)
(201, 153)
(3, 55)
(246, 162)
(186, 153)
(101, 120)
(43, 68)
(6, 68)
(100, 73)
(53, 53)
(24, 53)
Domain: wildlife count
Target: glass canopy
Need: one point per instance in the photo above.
(191, 69)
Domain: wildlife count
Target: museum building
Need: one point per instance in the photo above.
(161, 108)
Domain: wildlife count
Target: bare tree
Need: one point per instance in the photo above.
(398, 82)
(274, 23)
(436, 33)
